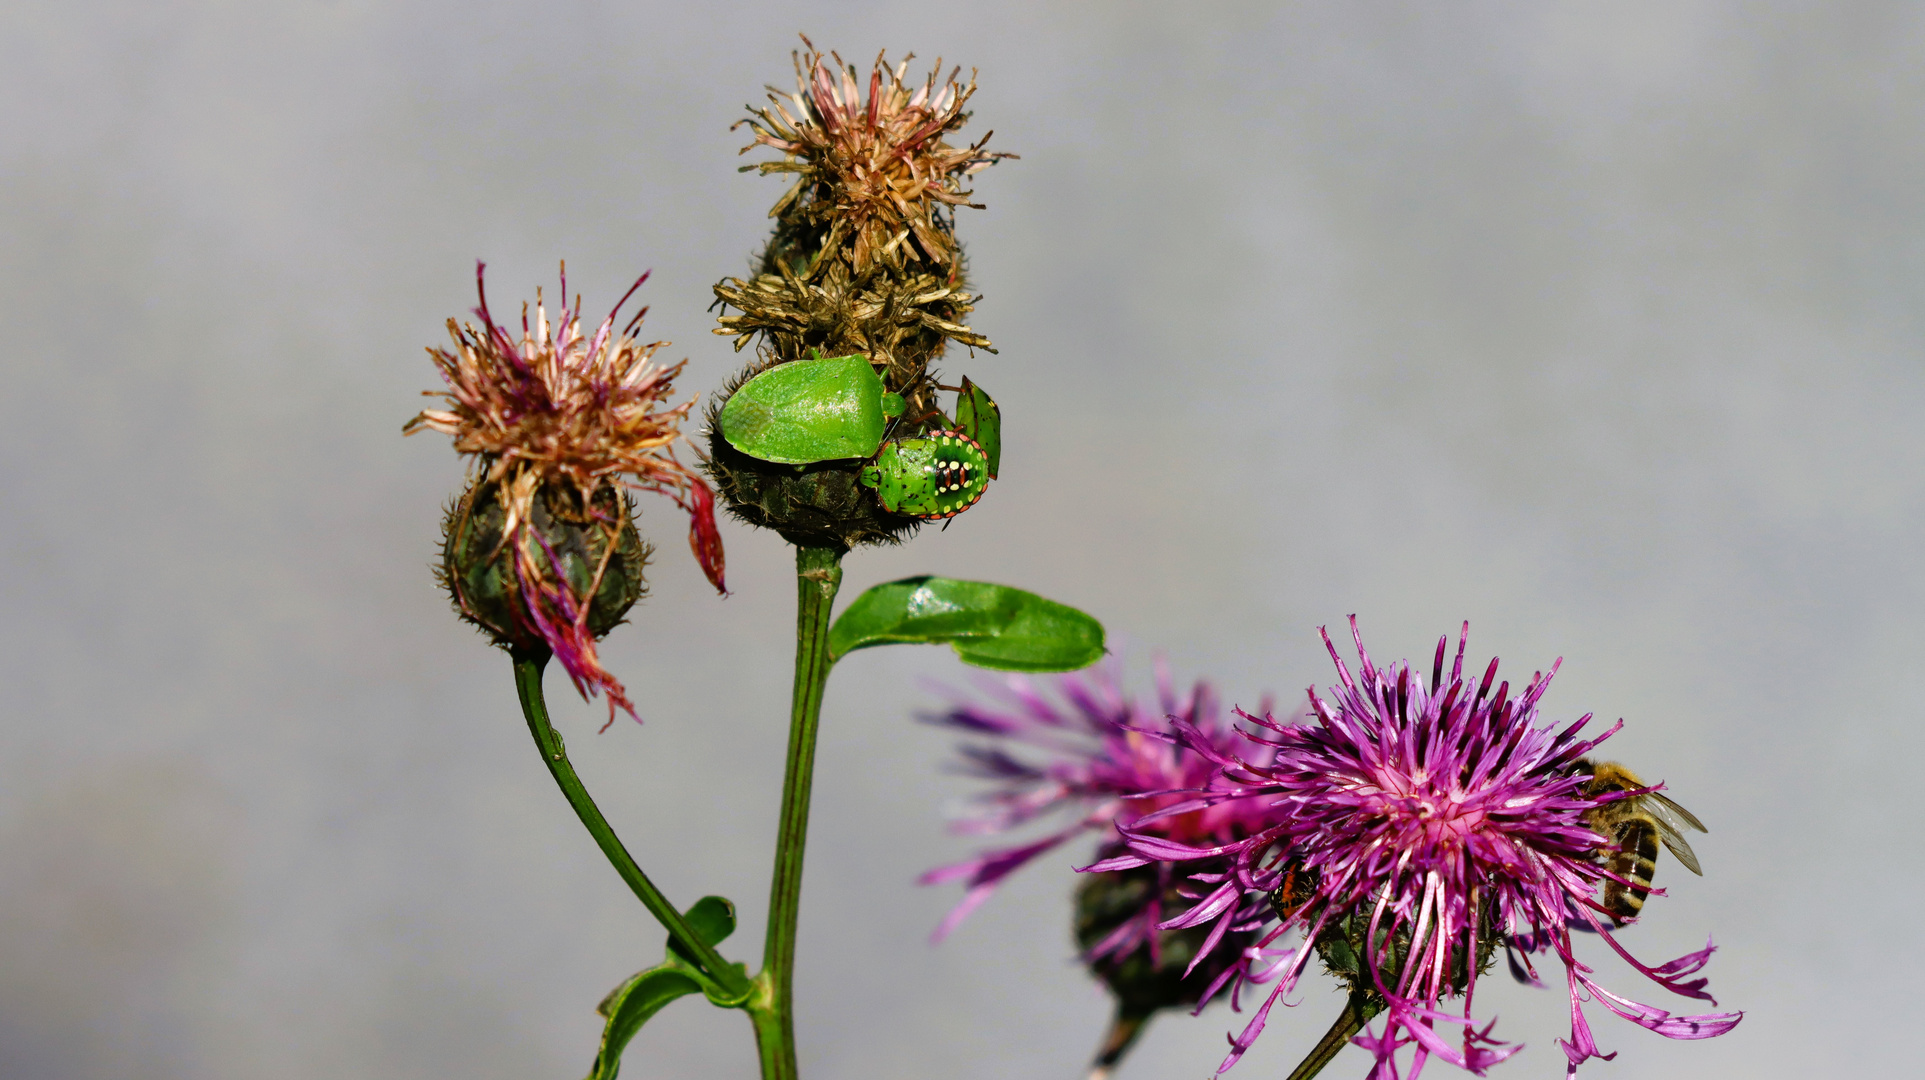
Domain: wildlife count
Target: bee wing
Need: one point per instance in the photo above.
(1672, 820)
(1685, 816)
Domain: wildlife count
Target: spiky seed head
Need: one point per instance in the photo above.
(876, 178)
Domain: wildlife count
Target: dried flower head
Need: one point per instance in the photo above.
(874, 175)
(1421, 826)
(901, 321)
(541, 550)
(1105, 760)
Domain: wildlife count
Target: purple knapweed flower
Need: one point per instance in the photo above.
(1105, 760)
(1105, 764)
(1417, 827)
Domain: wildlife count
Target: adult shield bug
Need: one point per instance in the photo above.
(805, 411)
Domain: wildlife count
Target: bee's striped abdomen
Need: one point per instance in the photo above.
(1633, 857)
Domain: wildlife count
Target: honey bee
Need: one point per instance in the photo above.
(1632, 829)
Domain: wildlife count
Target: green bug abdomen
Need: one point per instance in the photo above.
(932, 477)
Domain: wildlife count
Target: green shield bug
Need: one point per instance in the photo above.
(805, 411)
(930, 477)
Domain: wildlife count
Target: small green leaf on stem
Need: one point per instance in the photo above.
(992, 626)
(631, 1005)
(713, 920)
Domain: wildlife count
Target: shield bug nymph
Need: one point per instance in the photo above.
(933, 476)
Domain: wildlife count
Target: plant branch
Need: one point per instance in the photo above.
(1357, 1012)
(1125, 1028)
(528, 669)
(818, 575)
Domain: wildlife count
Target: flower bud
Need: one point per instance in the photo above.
(1150, 975)
(1341, 944)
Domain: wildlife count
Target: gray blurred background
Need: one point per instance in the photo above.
(1595, 324)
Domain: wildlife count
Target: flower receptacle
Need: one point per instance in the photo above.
(575, 550)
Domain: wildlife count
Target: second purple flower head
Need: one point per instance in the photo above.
(1078, 749)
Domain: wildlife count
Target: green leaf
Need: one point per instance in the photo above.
(713, 920)
(992, 626)
(979, 418)
(631, 1005)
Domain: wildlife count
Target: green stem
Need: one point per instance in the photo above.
(528, 669)
(818, 573)
(1357, 1012)
(774, 1039)
(1125, 1028)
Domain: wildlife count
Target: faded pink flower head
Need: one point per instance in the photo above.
(560, 426)
(1422, 825)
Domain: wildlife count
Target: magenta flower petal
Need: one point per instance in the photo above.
(1104, 758)
(1077, 746)
(1669, 1025)
(984, 873)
